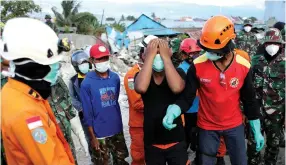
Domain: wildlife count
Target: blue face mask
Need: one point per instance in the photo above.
(83, 68)
(213, 56)
(53, 75)
(158, 64)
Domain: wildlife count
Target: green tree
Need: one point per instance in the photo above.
(15, 8)
(110, 19)
(253, 19)
(122, 18)
(118, 26)
(153, 15)
(70, 10)
(130, 18)
(85, 22)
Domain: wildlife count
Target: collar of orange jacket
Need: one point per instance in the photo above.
(24, 88)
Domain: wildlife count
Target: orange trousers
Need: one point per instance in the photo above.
(137, 145)
(222, 149)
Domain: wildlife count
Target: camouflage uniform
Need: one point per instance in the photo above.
(115, 145)
(247, 41)
(269, 82)
(60, 103)
(175, 45)
(50, 24)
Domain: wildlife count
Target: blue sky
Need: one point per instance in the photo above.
(173, 9)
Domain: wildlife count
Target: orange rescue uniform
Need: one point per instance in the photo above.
(136, 117)
(29, 129)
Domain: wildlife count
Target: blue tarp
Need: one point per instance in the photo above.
(118, 40)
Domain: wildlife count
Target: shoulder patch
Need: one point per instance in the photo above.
(131, 83)
(34, 122)
(201, 59)
(40, 135)
(242, 61)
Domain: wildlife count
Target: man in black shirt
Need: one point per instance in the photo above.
(159, 83)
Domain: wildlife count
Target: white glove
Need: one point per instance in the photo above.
(78, 131)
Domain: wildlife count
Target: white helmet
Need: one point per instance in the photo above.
(30, 38)
(146, 40)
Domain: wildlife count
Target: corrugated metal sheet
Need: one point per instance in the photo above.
(144, 22)
(148, 26)
(195, 34)
(159, 32)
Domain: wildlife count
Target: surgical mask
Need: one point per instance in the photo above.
(54, 73)
(158, 64)
(272, 49)
(102, 67)
(247, 28)
(213, 56)
(84, 68)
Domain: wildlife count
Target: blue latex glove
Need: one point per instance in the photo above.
(173, 112)
(258, 137)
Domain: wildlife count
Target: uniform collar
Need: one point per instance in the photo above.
(19, 86)
(80, 75)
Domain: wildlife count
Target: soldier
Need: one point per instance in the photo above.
(246, 39)
(281, 27)
(60, 103)
(176, 57)
(269, 82)
(49, 22)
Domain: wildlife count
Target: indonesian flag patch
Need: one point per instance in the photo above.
(131, 83)
(34, 122)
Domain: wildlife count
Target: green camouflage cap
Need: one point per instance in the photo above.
(175, 44)
(273, 35)
(247, 22)
(48, 16)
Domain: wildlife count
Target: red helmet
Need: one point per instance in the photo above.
(98, 51)
(189, 45)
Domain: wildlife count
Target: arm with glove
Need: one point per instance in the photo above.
(251, 110)
(185, 100)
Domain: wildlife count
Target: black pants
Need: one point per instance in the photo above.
(191, 130)
(175, 155)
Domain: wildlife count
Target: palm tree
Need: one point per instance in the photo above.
(70, 9)
(85, 21)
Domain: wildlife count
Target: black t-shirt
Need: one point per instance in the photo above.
(156, 101)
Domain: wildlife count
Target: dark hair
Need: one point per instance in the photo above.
(279, 25)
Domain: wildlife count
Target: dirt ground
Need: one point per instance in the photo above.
(83, 160)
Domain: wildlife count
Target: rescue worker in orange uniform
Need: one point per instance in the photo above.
(136, 108)
(30, 131)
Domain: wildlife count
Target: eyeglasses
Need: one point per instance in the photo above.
(222, 80)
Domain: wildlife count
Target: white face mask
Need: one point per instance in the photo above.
(102, 67)
(247, 28)
(84, 68)
(272, 49)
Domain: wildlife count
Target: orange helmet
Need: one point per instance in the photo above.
(217, 32)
